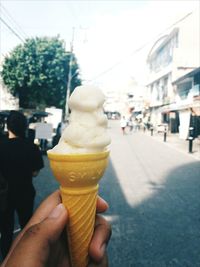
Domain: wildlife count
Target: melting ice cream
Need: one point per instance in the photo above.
(87, 129)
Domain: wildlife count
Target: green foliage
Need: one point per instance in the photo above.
(37, 72)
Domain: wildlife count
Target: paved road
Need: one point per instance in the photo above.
(154, 196)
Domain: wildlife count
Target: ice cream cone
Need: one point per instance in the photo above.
(78, 175)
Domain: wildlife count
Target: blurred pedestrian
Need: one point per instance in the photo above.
(3, 136)
(20, 160)
(137, 125)
(57, 136)
(123, 124)
(130, 124)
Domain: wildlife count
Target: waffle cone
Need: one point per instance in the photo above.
(78, 176)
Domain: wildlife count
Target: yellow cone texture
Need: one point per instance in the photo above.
(78, 176)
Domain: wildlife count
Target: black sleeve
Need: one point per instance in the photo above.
(1, 156)
(37, 162)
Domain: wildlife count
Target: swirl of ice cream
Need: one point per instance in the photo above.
(87, 129)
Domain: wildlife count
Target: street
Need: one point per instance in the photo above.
(154, 197)
(153, 192)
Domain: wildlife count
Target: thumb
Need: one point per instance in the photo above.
(34, 247)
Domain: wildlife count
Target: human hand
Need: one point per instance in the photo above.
(43, 241)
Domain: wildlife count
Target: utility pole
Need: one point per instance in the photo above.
(69, 76)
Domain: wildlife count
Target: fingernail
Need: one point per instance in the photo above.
(57, 211)
(105, 202)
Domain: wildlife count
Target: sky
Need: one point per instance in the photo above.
(111, 39)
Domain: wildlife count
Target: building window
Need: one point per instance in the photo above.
(164, 55)
(183, 89)
(165, 87)
(158, 91)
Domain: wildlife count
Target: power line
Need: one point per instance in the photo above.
(12, 20)
(11, 29)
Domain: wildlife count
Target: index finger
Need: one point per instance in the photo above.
(45, 208)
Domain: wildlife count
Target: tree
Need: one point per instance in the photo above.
(37, 72)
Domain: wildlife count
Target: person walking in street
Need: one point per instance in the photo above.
(130, 124)
(20, 160)
(123, 124)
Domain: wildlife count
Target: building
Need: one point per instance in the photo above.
(187, 103)
(171, 57)
(112, 102)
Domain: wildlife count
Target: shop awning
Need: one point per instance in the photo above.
(176, 107)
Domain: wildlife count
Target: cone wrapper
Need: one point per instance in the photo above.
(78, 176)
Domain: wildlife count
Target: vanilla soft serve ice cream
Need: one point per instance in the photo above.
(87, 129)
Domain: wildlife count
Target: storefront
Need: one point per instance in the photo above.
(188, 103)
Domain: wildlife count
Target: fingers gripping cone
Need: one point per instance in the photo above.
(78, 176)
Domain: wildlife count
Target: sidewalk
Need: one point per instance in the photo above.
(175, 142)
